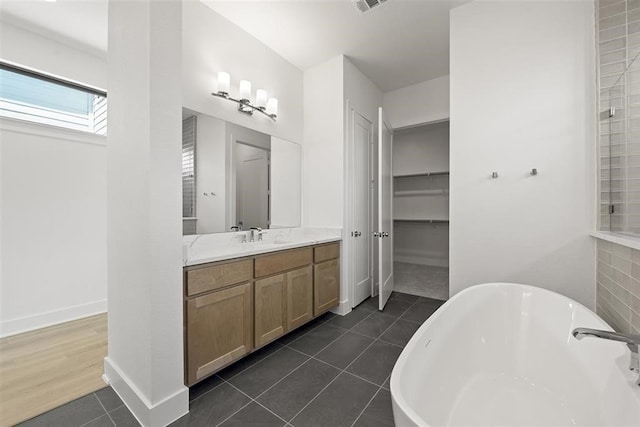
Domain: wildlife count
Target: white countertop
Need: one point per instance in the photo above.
(203, 248)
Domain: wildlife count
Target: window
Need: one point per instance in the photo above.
(34, 97)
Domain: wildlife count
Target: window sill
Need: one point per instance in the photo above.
(20, 126)
(627, 240)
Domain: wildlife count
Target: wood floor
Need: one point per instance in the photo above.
(43, 369)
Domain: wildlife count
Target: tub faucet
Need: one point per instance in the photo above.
(632, 341)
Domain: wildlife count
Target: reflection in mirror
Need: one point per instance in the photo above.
(235, 178)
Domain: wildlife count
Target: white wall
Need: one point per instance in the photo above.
(53, 229)
(424, 102)
(331, 90)
(54, 199)
(323, 146)
(28, 49)
(144, 210)
(421, 149)
(211, 174)
(210, 44)
(523, 97)
(286, 183)
(362, 94)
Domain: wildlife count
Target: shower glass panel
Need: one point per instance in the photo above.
(620, 147)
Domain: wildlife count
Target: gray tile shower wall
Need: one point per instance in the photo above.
(618, 24)
(618, 286)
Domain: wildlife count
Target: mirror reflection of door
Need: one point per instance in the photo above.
(252, 186)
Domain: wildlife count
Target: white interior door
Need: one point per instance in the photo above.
(385, 209)
(252, 184)
(361, 199)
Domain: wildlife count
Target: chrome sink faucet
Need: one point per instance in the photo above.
(255, 231)
(632, 341)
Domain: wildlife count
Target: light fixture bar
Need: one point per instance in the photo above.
(245, 106)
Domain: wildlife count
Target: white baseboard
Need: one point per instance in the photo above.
(159, 415)
(50, 318)
(343, 308)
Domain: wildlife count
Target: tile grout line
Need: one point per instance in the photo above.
(380, 387)
(312, 357)
(252, 400)
(366, 406)
(235, 375)
(208, 391)
(257, 362)
(314, 398)
(282, 379)
(332, 381)
(302, 364)
(286, 423)
(342, 370)
(104, 409)
(223, 380)
(240, 409)
(349, 373)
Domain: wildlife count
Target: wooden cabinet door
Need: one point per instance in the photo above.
(270, 310)
(326, 286)
(299, 297)
(218, 330)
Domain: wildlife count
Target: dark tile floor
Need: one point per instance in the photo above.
(334, 371)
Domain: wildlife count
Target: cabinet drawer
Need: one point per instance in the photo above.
(283, 261)
(325, 252)
(218, 276)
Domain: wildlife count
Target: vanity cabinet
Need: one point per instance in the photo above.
(326, 278)
(235, 307)
(299, 297)
(218, 330)
(271, 309)
(283, 301)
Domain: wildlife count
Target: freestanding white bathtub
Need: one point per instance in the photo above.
(503, 355)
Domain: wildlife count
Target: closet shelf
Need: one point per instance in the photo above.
(423, 174)
(438, 192)
(422, 220)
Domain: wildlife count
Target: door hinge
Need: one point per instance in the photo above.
(612, 209)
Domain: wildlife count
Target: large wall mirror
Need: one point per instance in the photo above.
(235, 178)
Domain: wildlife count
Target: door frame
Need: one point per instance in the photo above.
(347, 273)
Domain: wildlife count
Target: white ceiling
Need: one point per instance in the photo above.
(80, 22)
(396, 44)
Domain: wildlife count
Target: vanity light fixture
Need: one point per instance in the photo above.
(264, 104)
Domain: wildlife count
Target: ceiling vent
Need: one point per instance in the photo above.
(366, 5)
